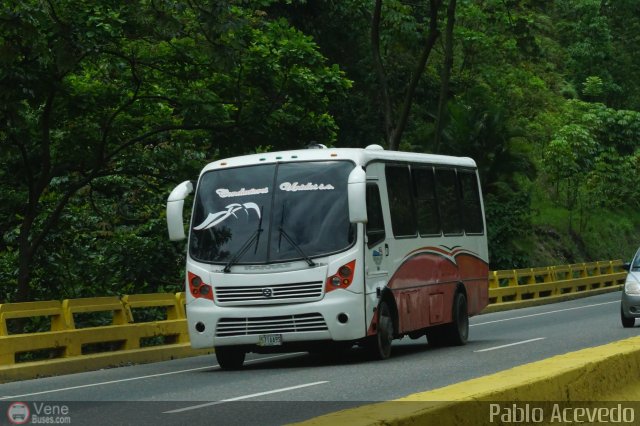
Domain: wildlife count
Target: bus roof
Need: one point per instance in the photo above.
(361, 156)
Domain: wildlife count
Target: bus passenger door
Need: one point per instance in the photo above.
(376, 252)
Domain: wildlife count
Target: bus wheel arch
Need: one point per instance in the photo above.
(460, 288)
(387, 297)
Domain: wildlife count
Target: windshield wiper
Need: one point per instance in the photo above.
(302, 254)
(253, 237)
(297, 247)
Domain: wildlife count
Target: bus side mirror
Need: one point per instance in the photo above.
(175, 204)
(357, 192)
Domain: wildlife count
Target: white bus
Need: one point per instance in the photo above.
(321, 249)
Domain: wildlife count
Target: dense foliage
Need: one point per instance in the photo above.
(104, 106)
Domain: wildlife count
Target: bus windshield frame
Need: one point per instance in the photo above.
(274, 212)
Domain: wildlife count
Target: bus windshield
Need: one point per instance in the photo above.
(272, 213)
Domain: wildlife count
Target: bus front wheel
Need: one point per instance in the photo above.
(380, 345)
(230, 357)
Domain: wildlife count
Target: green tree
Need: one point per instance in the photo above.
(395, 118)
(90, 92)
(568, 159)
(588, 37)
(588, 159)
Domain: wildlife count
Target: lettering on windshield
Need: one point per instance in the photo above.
(295, 186)
(215, 218)
(225, 193)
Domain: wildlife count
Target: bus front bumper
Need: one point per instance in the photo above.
(339, 316)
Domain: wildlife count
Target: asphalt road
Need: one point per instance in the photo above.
(279, 389)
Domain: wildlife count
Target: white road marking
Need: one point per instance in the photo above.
(543, 313)
(253, 361)
(239, 398)
(510, 344)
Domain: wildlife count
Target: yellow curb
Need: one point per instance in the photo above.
(603, 373)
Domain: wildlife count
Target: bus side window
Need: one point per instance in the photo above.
(448, 196)
(471, 209)
(426, 203)
(375, 222)
(403, 218)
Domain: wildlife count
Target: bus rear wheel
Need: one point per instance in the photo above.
(458, 330)
(456, 333)
(230, 357)
(379, 346)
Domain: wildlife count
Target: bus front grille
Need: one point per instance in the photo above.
(262, 293)
(228, 327)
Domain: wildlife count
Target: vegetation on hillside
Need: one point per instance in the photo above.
(105, 106)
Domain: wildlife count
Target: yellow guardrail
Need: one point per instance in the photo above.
(68, 346)
(523, 287)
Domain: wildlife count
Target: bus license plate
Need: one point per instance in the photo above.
(270, 340)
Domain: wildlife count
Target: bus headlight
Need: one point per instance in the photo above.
(341, 279)
(199, 289)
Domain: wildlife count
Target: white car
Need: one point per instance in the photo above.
(630, 304)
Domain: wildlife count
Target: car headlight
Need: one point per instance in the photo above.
(632, 288)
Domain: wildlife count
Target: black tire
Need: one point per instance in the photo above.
(379, 346)
(458, 332)
(626, 322)
(230, 357)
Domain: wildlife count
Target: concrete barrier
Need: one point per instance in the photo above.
(574, 384)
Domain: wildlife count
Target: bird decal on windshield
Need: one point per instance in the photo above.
(215, 218)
